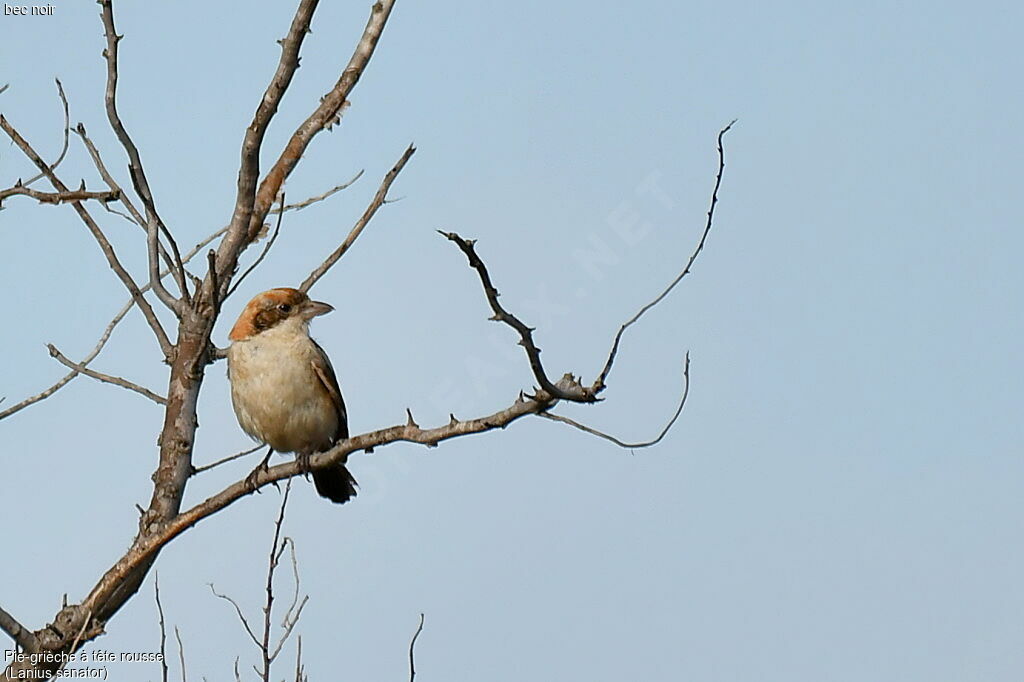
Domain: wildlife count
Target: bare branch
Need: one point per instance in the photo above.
(67, 126)
(57, 197)
(181, 653)
(136, 217)
(101, 239)
(4, 88)
(238, 610)
(106, 378)
(300, 675)
(263, 254)
(250, 209)
(102, 341)
(229, 458)
(148, 545)
(10, 625)
(275, 557)
(243, 216)
(576, 393)
(154, 225)
(599, 383)
(412, 647)
(163, 628)
(319, 197)
(378, 200)
(622, 444)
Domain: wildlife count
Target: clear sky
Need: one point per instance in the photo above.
(841, 500)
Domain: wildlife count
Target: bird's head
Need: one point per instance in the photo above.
(274, 307)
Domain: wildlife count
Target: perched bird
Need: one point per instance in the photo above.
(283, 388)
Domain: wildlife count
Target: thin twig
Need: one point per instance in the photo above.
(412, 647)
(102, 341)
(229, 458)
(181, 654)
(622, 444)
(154, 225)
(319, 197)
(599, 383)
(67, 126)
(58, 197)
(275, 557)
(135, 217)
(263, 254)
(106, 378)
(163, 628)
(376, 203)
(299, 672)
(238, 610)
(97, 233)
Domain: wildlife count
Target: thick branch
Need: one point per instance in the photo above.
(101, 239)
(249, 167)
(251, 209)
(378, 200)
(146, 547)
(105, 378)
(21, 636)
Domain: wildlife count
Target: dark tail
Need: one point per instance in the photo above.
(336, 484)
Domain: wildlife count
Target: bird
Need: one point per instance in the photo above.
(283, 388)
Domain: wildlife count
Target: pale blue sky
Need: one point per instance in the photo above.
(841, 500)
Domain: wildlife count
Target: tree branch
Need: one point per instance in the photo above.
(599, 383)
(251, 209)
(102, 341)
(154, 225)
(163, 628)
(67, 126)
(101, 239)
(412, 648)
(378, 200)
(570, 390)
(58, 197)
(623, 444)
(319, 197)
(21, 636)
(105, 378)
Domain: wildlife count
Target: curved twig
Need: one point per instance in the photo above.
(67, 127)
(623, 444)
(599, 383)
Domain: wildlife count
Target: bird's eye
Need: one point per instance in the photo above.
(284, 308)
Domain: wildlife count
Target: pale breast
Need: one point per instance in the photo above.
(277, 396)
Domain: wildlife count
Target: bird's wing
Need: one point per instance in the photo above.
(323, 369)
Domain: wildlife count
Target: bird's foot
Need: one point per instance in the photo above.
(252, 480)
(302, 459)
